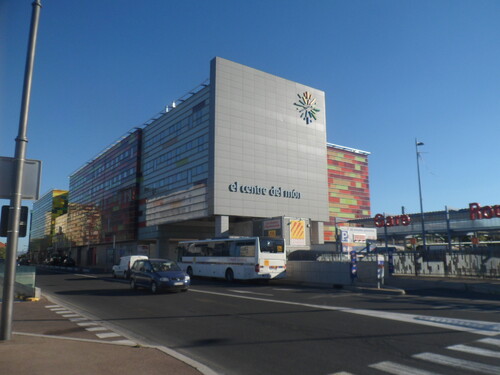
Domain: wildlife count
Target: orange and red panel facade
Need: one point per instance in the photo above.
(348, 186)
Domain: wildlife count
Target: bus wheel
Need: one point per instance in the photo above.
(229, 275)
(189, 271)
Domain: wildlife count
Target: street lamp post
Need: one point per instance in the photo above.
(424, 244)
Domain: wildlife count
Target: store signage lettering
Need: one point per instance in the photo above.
(391, 221)
(476, 212)
(273, 191)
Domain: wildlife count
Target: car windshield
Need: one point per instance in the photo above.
(163, 266)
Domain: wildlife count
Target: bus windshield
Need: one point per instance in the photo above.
(271, 245)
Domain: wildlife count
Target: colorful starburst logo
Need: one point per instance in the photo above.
(307, 107)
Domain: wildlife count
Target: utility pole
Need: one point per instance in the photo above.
(15, 201)
(424, 244)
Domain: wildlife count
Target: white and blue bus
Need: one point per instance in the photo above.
(234, 258)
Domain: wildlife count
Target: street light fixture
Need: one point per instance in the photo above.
(424, 244)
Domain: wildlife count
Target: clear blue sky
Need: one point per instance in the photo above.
(392, 71)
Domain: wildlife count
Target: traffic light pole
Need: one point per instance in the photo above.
(16, 197)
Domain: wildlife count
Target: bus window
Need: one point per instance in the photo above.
(245, 249)
(220, 249)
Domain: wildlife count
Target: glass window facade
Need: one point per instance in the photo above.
(176, 163)
(43, 218)
(102, 204)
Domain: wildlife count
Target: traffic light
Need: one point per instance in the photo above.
(4, 221)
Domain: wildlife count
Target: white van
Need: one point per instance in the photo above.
(123, 268)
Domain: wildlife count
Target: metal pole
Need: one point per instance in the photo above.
(424, 244)
(16, 197)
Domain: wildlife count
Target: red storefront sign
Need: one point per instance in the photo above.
(391, 221)
(476, 212)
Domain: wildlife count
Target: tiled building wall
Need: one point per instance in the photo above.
(348, 187)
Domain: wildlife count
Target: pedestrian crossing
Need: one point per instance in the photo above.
(478, 354)
(101, 332)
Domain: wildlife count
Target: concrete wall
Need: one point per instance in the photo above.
(330, 273)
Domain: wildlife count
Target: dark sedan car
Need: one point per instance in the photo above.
(158, 274)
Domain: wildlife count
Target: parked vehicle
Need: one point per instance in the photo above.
(122, 269)
(158, 274)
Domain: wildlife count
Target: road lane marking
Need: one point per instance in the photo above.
(458, 363)
(473, 350)
(247, 292)
(472, 326)
(89, 276)
(490, 341)
(398, 369)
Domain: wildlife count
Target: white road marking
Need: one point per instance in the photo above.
(398, 369)
(473, 350)
(89, 276)
(70, 315)
(490, 341)
(87, 324)
(458, 363)
(107, 335)
(52, 306)
(77, 319)
(473, 326)
(124, 342)
(247, 292)
(63, 312)
(95, 329)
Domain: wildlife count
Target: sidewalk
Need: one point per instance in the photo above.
(48, 339)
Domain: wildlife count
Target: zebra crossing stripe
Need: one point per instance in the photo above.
(107, 335)
(473, 350)
(93, 329)
(459, 363)
(490, 341)
(87, 324)
(398, 369)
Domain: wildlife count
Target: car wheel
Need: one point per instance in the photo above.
(154, 288)
(229, 275)
(184, 290)
(189, 271)
(114, 274)
(133, 284)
